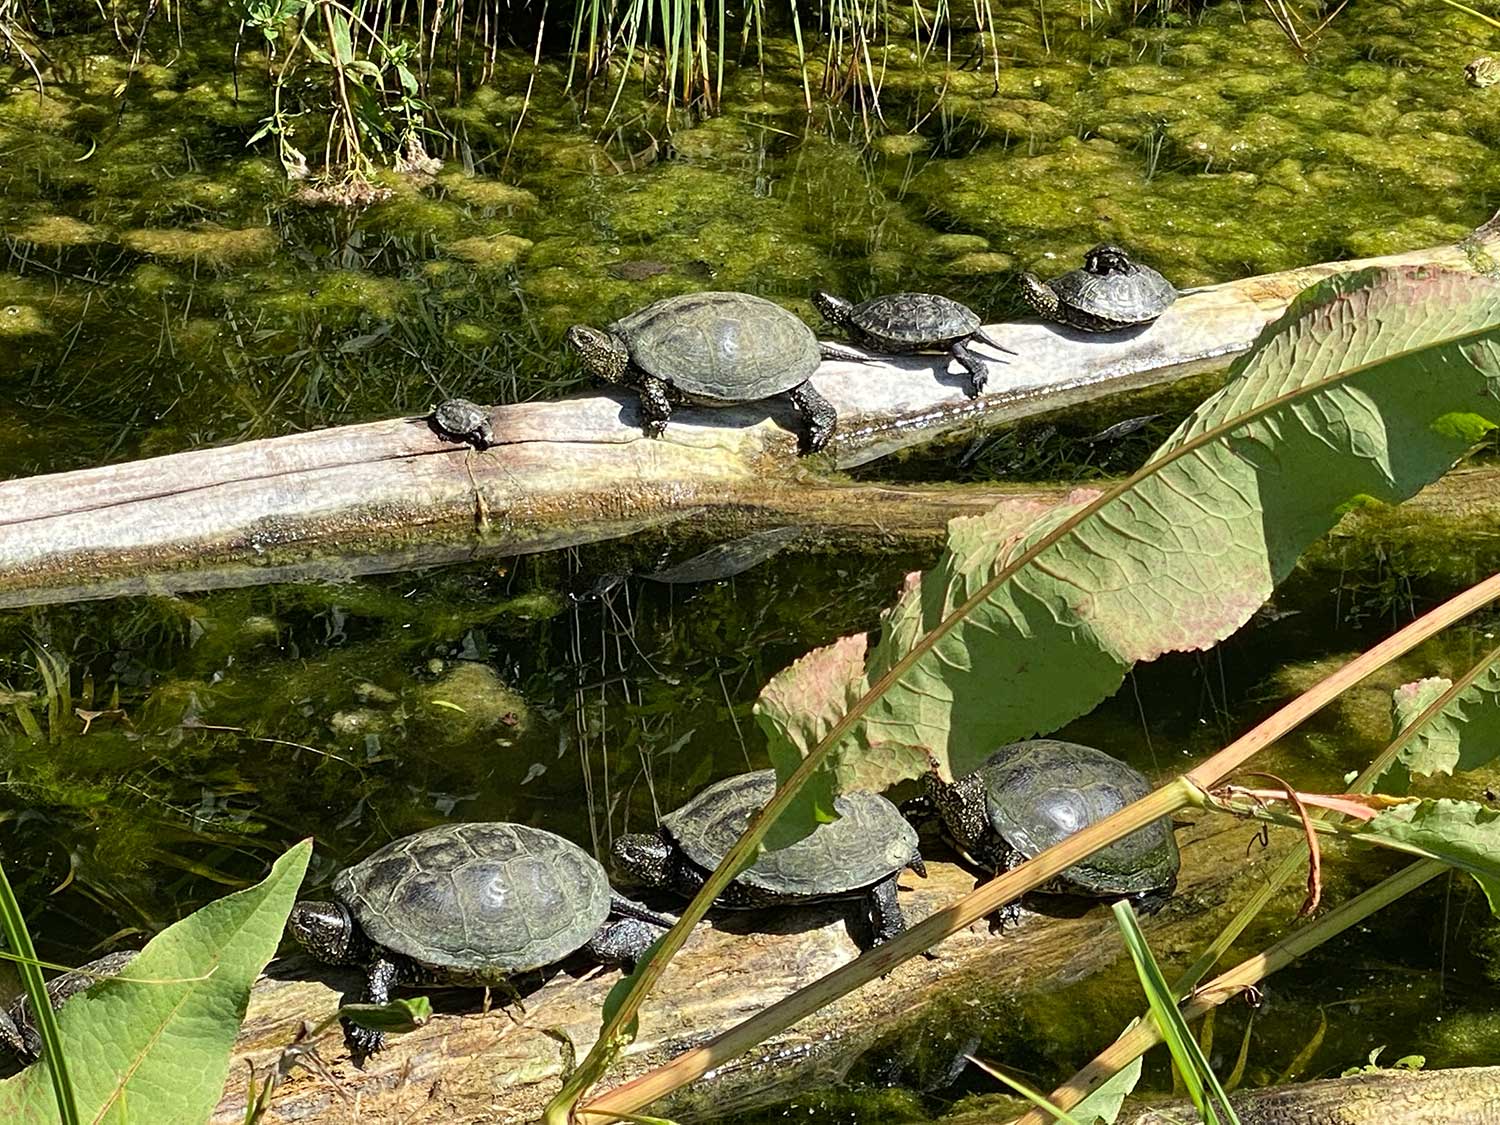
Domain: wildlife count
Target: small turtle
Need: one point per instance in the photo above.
(913, 322)
(859, 856)
(461, 420)
(1030, 795)
(469, 904)
(1109, 292)
(713, 349)
(18, 1033)
(1483, 71)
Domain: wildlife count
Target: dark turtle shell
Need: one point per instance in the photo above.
(728, 347)
(482, 899)
(869, 841)
(1133, 295)
(914, 319)
(1042, 791)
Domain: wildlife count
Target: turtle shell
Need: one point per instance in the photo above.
(914, 319)
(1136, 295)
(869, 841)
(460, 416)
(726, 347)
(1042, 791)
(482, 898)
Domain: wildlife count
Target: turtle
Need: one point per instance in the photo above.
(913, 322)
(1483, 71)
(470, 904)
(18, 1033)
(713, 349)
(858, 856)
(1108, 293)
(458, 419)
(1029, 795)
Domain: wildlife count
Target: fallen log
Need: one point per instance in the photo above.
(1466, 1095)
(469, 1066)
(393, 494)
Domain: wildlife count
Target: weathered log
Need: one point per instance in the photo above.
(469, 1066)
(389, 495)
(1464, 1096)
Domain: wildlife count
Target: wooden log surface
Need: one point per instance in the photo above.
(468, 1066)
(1462, 1096)
(392, 494)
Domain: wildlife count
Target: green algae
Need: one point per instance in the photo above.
(219, 245)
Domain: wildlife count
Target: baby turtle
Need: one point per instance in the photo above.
(461, 420)
(912, 322)
(1029, 795)
(858, 856)
(1483, 71)
(713, 349)
(18, 1033)
(469, 904)
(1109, 292)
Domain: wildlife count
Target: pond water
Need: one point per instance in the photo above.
(163, 292)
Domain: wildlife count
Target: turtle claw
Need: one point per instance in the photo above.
(363, 1041)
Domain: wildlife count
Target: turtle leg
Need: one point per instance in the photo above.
(656, 404)
(979, 374)
(844, 353)
(885, 912)
(1149, 902)
(622, 941)
(380, 980)
(818, 412)
(1004, 857)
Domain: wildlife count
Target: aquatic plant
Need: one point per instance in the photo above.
(1367, 387)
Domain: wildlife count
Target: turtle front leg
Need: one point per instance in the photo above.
(656, 404)
(819, 414)
(380, 981)
(1001, 857)
(1149, 902)
(979, 374)
(886, 919)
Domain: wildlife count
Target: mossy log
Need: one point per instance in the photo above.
(468, 1065)
(393, 494)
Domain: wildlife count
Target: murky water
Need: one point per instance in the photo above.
(162, 293)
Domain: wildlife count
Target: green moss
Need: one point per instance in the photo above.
(488, 195)
(58, 230)
(17, 321)
(218, 245)
(489, 251)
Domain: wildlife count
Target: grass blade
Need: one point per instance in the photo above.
(19, 940)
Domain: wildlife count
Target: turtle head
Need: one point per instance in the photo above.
(603, 353)
(646, 857)
(833, 309)
(325, 929)
(1108, 259)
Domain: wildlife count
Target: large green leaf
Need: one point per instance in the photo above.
(1461, 834)
(1463, 734)
(1367, 388)
(155, 1047)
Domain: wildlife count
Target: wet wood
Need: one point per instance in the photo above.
(392, 494)
(467, 1066)
(1470, 1096)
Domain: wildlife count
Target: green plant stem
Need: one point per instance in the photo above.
(1145, 1034)
(19, 940)
(983, 900)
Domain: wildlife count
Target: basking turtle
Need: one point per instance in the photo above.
(461, 420)
(1483, 71)
(470, 904)
(858, 856)
(713, 349)
(18, 1033)
(912, 322)
(1109, 292)
(1027, 796)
